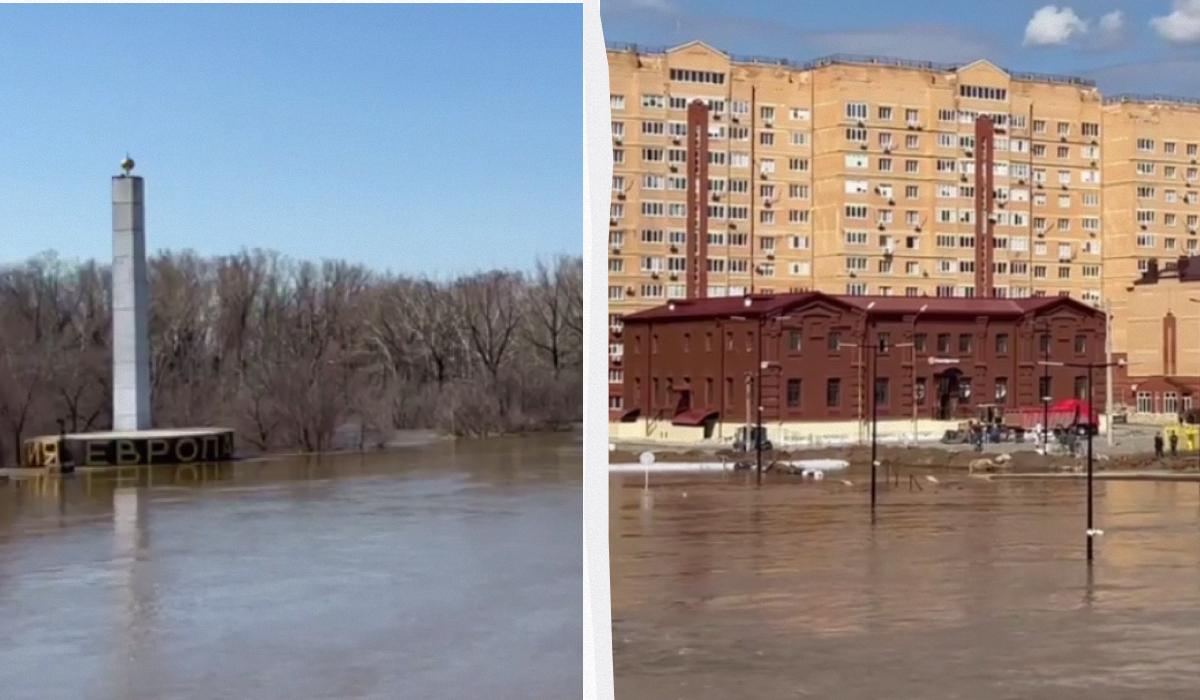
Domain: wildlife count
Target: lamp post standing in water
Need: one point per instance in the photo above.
(1194, 300)
(1089, 366)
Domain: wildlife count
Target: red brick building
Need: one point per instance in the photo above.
(695, 362)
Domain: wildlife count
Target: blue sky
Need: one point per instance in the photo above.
(1126, 46)
(424, 139)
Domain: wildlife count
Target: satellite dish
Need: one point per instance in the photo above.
(646, 458)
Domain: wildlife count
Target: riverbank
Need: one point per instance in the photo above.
(993, 461)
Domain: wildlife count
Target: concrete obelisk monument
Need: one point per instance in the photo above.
(130, 303)
(133, 440)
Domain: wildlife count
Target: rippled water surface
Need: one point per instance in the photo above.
(965, 589)
(445, 571)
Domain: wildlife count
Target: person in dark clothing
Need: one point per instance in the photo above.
(1174, 440)
(1158, 445)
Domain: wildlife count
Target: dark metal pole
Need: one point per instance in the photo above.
(758, 441)
(874, 416)
(1091, 413)
(1046, 397)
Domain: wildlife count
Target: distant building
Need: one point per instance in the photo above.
(1162, 349)
(689, 367)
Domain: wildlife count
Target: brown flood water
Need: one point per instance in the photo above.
(967, 589)
(452, 570)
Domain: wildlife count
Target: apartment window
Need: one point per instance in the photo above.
(881, 391)
(697, 76)
(1001, 390)
(943, 343)
(856, 110)
(834, 341)
(793, 393)
(616, 101)
(964, 343)
(1080, 344)
(653, 102)
(833, 392)
(1001, 343)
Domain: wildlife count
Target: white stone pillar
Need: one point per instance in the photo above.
(130, 307)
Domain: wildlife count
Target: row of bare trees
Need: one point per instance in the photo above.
(297, 355)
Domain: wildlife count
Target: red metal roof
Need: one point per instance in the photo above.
(694, 417)
(770, 304)
(724, 307)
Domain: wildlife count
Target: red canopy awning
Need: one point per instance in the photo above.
(1076, 406)
(696, 416)
(629, 415)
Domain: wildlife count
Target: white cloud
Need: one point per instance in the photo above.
(1111, 26)
(1182, 26)
(1051, 26)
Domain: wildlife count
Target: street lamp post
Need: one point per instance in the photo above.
(913, 343)
(1089, 366)
(758, 430)
(1194, 300)
(1046, 396)
(874, 410)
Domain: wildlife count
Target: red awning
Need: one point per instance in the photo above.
(1076, 406)
(696, 416)
(629, 415)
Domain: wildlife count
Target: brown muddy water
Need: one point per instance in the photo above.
(966, 589)
(451, 570)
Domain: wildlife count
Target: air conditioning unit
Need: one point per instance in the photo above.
(674, 168)
(862, 146)
(654, 275)
(963, 177)
(616, 248)
(1063, 139)
(967, 151)
(617, 140)
(767, 202)
(770, 256)
(674, 248)
(1020, 181)
(621, 195)
(887, 149)
(762, 176)
(889, 251)
(767, 124)
(917, 228)
(674, 275)
(861, 123)
(612, 222)
(676, 140)
(716, 196)
(891, 202)
(716, 116)
(1143, 227)
(735, 119)
(882, 226)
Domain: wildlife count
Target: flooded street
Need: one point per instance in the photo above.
(451, 570)
(966, 589)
